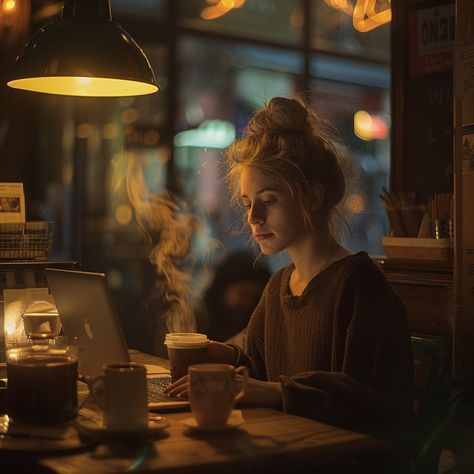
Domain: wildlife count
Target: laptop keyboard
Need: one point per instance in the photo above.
(155, 390)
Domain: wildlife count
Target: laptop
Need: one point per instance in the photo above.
(86, 311)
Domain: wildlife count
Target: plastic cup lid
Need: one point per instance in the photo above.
(185, 339)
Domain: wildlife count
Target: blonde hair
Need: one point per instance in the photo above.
(288, 142)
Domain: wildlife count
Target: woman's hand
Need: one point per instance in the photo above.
(221, 353)
(178, 389)
(258, 392)
(218, 353)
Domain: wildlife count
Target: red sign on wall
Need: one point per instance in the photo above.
(431, 40)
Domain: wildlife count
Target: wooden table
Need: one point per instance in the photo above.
(267, 441)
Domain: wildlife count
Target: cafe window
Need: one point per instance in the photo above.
(332, 31)
(89, 144)
(213, 73)
(355, 97)
(218, 83)
(221, 86)
(280, 21)
(146, 9)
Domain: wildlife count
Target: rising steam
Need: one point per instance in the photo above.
(167, 227)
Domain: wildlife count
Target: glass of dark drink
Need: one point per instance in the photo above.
(42, 380)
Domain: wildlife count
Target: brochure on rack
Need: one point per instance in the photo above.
(12, 203)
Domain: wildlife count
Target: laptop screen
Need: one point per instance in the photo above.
(86, 311)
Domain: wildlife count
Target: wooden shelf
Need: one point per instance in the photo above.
(22, 265)
(427, 291)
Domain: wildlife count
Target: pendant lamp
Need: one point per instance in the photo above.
(84, 53)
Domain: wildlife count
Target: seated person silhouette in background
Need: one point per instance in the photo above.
(232, 296)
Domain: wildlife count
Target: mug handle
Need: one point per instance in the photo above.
(96, 389)
(245, 372)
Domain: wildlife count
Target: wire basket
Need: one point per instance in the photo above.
(24, 241)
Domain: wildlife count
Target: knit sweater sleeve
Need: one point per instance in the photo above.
(377, 345)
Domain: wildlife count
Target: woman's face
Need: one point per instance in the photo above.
(272, 213)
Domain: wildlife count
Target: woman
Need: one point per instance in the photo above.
(329, 338)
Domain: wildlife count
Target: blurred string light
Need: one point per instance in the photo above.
(8, 6)
(219, 8)
(365, 17)
(14, 21)
(210, 134)
(355, 203)
(370, 127)
(341, 5)
(109, 131)
(123, 214)
(84, 130)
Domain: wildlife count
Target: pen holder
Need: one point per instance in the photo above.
(396, 222)
(412, 216)
(442, 229)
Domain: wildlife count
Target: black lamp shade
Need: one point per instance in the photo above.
(84, 56)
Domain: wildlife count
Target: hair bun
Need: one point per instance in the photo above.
(287, 114)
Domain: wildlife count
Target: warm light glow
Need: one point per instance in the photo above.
(109, 131)
(123, 214)
(362, 123)
(68, 173)
(151, 137)
(83, 80)
(130, 115)
(297, 18)
(220, 8)
(370, 127)
(9, 328)
(341, 5)
(83, 86)
(11, 312)
(355, 203)
(114, 278)
(84, 130)
(8, 6)
(365, 17)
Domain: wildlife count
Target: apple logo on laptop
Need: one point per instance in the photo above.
(88, 329)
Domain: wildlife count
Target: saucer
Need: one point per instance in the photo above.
(17, 436)
(95, 427)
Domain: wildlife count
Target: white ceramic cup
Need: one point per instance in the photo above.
(121, 393)
(213, 390)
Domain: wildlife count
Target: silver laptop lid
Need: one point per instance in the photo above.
(86, 311)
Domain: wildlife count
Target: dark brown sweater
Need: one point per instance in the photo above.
(341, 349)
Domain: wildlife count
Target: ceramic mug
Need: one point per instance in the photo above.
(213, 390)
(121, 394)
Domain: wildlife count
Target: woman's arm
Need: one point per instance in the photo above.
(258, 392)
(221, 353)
